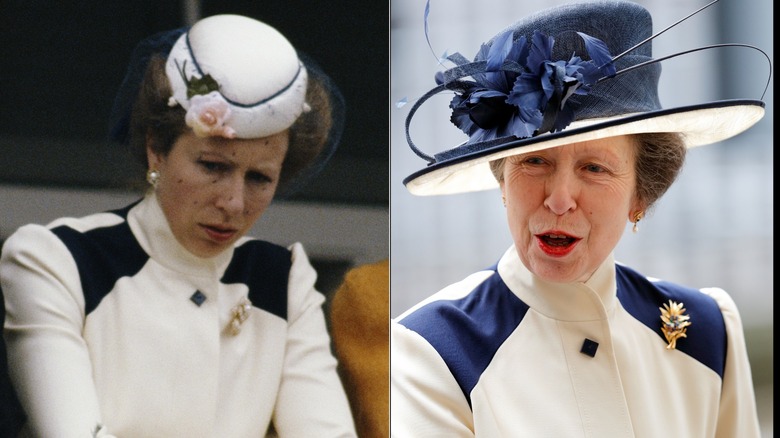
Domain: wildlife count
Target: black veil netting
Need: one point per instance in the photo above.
(322, 126)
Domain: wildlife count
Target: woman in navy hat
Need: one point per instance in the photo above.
(162, 318)
(557, 338)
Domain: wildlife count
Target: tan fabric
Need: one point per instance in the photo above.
(360, 329)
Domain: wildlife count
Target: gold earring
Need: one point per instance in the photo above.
(503, 199)
(152, 177)
(637, 218)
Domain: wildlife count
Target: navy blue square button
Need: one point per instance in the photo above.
(198, 298)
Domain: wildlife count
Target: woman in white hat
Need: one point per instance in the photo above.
(162, 318)
(557, 338)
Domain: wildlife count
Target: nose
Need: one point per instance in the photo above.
(560, 192)
(231, 197)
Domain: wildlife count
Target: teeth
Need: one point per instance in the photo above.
(557, 236)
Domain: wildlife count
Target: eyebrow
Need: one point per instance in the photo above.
(225, 157)
(586, 153)
(215, 155)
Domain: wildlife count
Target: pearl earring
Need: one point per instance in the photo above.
(153, 176)
(637, 218)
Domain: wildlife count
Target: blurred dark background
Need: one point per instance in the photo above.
(62, 63)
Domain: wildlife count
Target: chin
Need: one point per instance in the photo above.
(559, 272)
(208, 251)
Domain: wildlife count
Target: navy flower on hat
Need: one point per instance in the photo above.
(549, 80)
(522, 92)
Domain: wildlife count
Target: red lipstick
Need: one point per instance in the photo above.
(556, 243)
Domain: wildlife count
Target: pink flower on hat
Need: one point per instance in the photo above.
(208, 114)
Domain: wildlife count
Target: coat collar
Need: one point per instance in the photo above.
(579, 301)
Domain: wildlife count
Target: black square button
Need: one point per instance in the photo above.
(589, 347)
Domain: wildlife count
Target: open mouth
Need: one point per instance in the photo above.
(560, 240)
(556, 244)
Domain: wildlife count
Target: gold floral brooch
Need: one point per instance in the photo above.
(675, 323)
(240, 314)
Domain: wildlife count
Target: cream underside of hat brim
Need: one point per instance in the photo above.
(699, 127)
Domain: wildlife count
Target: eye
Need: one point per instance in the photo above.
(594, 168)
(212, 166)
(534, 160)
(258, 178)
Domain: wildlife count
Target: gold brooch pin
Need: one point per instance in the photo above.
(240, 314)
(674, 323)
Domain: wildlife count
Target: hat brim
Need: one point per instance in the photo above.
(699, 124)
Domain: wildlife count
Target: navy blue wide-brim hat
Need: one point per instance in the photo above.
(568, 74)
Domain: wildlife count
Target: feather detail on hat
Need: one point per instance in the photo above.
(550, 80)
(522, 92)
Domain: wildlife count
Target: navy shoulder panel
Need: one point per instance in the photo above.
(467, 332)
(265, 268)
(706, 339)
(103, 256)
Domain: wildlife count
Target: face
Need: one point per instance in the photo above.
(567, 206)
(212, 189)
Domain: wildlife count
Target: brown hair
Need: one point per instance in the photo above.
(152, 119)
(659, 160)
